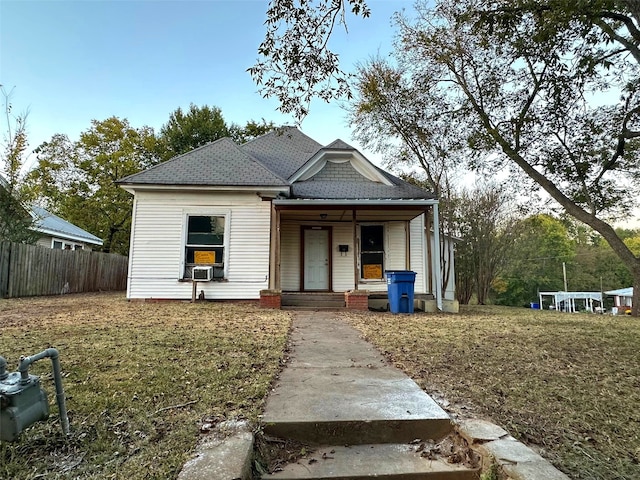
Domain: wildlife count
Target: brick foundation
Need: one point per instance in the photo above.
(271, 299)
(357, 299)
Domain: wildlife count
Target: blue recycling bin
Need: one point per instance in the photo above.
(400, 286)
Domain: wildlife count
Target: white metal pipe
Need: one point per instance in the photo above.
(436, 257)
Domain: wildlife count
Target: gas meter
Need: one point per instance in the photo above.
(22, 399)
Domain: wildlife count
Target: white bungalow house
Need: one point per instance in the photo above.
(280, 215)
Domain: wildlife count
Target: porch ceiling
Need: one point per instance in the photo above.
(346, 214)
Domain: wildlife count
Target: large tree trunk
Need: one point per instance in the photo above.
(635, 300)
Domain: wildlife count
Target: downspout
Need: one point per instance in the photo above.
(436, 257)
(425, 255)
(23, 368)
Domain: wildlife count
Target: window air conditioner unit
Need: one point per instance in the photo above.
(202, 274)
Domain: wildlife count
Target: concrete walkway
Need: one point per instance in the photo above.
(339, 392)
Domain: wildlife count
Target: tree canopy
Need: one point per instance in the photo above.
(294, 63)
(77, 179)
(198, 126)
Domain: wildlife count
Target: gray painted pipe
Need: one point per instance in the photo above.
(3, 368)
(52, 353)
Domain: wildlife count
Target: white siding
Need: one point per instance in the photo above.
(157, 244)
(44, 242)
(418, 253)
(396, 246)
(290, 257)
(343, 262)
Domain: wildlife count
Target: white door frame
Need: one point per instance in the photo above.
(329, 261)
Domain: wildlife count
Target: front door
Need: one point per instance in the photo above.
(316, 259)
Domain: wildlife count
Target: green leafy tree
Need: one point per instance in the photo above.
(186, 131)
(250, 131)
(540, 246)
(15, 220)
(76, 180)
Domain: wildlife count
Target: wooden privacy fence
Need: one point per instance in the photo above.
(30, 270)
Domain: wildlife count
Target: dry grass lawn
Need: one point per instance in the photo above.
(568, 384)
(140, 379)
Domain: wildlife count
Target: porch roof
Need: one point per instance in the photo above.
(341, 210)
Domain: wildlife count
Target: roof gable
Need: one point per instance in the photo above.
(339, 155)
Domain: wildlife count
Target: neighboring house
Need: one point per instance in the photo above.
(280, 213)
(56, 232)
(622, 299)
(60, 234)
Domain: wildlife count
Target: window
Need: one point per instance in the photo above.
(205, 243)
(65, 245)
(371, 252)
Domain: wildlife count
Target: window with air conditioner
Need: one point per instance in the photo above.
(205, 245)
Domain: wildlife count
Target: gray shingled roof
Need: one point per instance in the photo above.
(346, 190)
(49, 223)
(267, 161)
(218, 163)
(339, 145)
(283, 151)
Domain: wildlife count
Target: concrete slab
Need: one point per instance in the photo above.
(320, 340)
(225, 454)
(338, 389)
(478, 431)
(519, 461)
(534, 471)
(390, 461)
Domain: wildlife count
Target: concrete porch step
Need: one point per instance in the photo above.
(360, 462)
(353, 405)
(314, 300)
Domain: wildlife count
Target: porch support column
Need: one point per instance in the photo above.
(278, 283)
(428, 272)
(274, 251)
(272, 248)
(356, 277)
(407, 245)
(436, 257)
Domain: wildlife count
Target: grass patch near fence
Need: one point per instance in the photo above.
(141, 380)
(568, 384)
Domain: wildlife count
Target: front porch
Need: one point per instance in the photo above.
(328, 253)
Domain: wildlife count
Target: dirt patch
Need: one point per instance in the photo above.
(272, 454)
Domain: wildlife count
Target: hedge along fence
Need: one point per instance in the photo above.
(31, 270)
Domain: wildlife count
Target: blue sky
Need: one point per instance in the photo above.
(74, 61)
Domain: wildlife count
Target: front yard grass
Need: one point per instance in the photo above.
(141, 380)
(568, 384)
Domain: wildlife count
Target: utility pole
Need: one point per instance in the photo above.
(564, 274)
